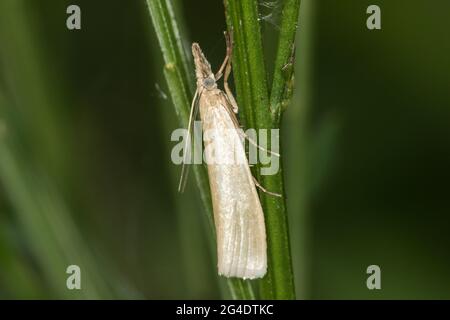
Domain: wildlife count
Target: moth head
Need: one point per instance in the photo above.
(203, 72)
(209, 83)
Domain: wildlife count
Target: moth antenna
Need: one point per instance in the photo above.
(188, 145)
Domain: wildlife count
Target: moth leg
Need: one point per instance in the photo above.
(226, 65)
(264, 190)
(240, 130)
(251, 141)
(227, 74)
(225, 62)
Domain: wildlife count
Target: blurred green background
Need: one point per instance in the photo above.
(86, 176)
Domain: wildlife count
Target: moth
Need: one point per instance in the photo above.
(238, 215)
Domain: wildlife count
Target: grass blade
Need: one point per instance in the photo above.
(253, 97)
(176, 71)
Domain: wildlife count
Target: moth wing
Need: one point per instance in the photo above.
(238, 215)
